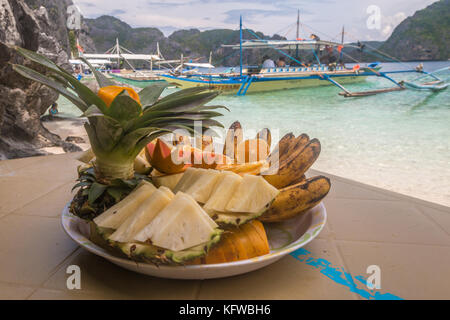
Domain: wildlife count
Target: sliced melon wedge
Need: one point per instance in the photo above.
(169, 180)
(180, 225)
(228, 219)
(253, 195)
(201, 189)
(146, 212)
(145, 252)
(189, 177)
(227, 184)
(117, 214)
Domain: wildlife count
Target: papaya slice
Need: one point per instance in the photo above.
(261, 247)
(159, 155)
(215, 255)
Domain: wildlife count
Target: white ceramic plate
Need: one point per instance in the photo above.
(284, 238)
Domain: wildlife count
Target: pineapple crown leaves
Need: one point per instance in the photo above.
(125, 126)
(117, 189)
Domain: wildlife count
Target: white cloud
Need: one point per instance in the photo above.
(267, 16)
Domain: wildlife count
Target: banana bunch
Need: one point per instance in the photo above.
(293, 156)
(296, 199)
(285, 169)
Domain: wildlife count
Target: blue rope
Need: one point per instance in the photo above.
(282, 52)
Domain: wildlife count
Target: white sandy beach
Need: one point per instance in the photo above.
(67, 128)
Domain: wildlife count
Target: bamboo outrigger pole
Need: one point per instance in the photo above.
(298, 33)
(240, 46)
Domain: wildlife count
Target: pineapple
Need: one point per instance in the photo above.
(120, 121)
(223, 191)
(230, 219)
(180, 225)
(201, 189)
(169, 180)
(189, 177)
(143, 215)
(117, 214)
(253, 195)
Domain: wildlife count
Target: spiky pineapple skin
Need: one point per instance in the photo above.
(230, 219)
(144, 252)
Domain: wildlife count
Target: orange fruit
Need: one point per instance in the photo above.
(108, 94)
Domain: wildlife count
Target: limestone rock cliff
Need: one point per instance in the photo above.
(22, 102)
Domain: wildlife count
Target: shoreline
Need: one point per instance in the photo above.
(69, 129)
(73, 127)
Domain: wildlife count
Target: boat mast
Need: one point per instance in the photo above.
(240, 45)
(118, 52)
(342, 42)
(210, 60)
(298, 33)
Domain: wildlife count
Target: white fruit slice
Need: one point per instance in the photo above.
(205, 215)
(169, 181)
(202, 187)
(189, 177)
(143, 215)
(225, 187)
(253, 194)
(117, 214)
(180, 225)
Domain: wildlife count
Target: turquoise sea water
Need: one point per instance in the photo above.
(399, 141)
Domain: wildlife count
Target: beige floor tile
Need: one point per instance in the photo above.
(17, 192)
(343, 190)
(408, 271)
(31, 248)
(352, 190)
(50, 204)
(58, 168)
(102, 278)
(7, 166)
(441, 217)
(285, 279)
(14, 291)
(30, 182)
(377, 220)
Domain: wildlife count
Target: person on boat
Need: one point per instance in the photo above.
(281, 62)
(267, 63)
(419, 68)
(53, 110)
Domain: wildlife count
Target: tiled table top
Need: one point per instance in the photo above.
(408, 239)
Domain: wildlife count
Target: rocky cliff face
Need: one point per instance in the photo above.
(192, 43)
(22, 102)
(423, 36)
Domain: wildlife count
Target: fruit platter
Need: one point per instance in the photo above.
(159, 194)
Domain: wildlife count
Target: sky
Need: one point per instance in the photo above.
(363, 19)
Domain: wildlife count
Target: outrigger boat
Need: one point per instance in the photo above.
(252, 80)
(436, 85)
(134, 77)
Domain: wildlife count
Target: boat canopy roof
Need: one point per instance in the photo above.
(127, 56)
(91, 61)
(199, 65)
(286, 44)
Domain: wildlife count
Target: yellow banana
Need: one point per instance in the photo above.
(282, 148)
(297, 199)
(234, 137)
(295, 165)
(265, 135)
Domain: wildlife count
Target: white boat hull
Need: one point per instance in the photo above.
(261, 85)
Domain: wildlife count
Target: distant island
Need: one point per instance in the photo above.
(423, 36)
